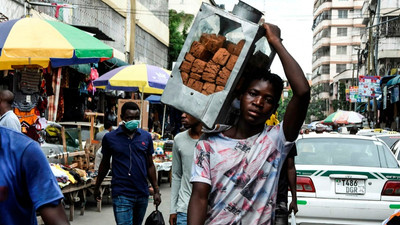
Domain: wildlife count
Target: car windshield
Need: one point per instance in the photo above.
(344, 152)
(389, 140)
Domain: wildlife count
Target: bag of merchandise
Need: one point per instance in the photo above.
(93, 74)
(155, 218)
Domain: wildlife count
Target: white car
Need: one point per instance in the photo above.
(345, 179)
(396, 150)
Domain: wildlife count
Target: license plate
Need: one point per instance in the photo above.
(350, 186)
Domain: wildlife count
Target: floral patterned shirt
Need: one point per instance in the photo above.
(243, 174)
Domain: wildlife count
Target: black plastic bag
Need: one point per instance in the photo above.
(155, 218)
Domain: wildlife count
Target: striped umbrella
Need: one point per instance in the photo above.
(343, 117)
(36, 41)
(147, 78)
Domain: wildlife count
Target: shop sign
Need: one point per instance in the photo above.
(369, 86)
(354, 95)
(353, 92)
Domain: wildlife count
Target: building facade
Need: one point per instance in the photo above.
(150, 26)
(381, 57)
(136, 29)
(383, 18)
(337, 29)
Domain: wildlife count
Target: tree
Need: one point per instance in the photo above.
(177, 37)
(316, 110)
(283, 104)
(317, 106)
(341, 103)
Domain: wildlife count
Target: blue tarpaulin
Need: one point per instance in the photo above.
(155, 99)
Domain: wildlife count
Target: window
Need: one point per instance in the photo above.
(325, 69)
(342, 32)
(342, 14)
(357, 13)
(325, 15)
(391, 28)
(340, 68)
(343, 152)
(341, 50)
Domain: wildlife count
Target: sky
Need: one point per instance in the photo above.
(295, 18)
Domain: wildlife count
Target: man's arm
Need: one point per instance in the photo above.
(53, 214)
(176, 182)
(291, 170)
(104, 167)
(297, 107)
(197, 210)
(151, 174)
(103, 170)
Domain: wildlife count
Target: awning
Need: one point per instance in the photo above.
(94, 30)
(82, 68)
(85, 68)
(155, 99)
(116, 62)
(393, 81)
(385, 79)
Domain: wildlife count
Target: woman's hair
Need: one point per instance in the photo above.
(129, 106)
(255, 73)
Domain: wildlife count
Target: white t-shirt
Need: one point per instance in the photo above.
(11, 121)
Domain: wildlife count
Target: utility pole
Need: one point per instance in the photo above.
(370, 66)
(378, 21)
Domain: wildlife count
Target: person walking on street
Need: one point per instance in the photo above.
(234, 175)
(107, 128)
(182, 161)
(287, 179)
(27, 183)
(7, 116)
(131, 149)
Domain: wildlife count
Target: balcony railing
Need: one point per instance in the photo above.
(319, 3)
(391, 28)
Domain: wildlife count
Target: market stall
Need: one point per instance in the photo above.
(162, 159)
(75, 171)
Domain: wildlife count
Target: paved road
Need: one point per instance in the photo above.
(106, 216)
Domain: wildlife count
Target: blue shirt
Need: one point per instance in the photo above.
(129, 161)
(26, 174)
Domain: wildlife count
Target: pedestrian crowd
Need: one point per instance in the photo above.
(236, 174)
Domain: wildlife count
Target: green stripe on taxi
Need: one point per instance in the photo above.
(301, 202)
(329, 172)
(392, 176)
(392, 206)
(305, 172)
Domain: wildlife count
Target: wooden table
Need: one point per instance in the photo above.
(71, 194)
(163, 166)
(106, 184)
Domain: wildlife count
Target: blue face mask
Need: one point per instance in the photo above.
(132, 124)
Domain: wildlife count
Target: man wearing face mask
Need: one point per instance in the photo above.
(131, 149)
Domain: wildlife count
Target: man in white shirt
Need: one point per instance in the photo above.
(182, 161)
(7, 117)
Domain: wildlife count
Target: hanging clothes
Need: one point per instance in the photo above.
(53, 100)
(30, 80)
(29, 117)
